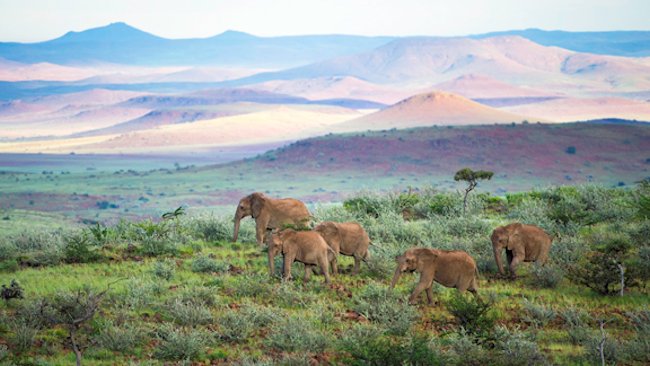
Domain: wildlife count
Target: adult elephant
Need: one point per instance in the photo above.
(523, 243)
(270, 213)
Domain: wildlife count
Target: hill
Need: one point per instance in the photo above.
(422, 61)
(434, 108)
(523, 156)
(123, 44)
(621, 43)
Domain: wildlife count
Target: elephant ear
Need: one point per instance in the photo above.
(257, 203)
(426, 258)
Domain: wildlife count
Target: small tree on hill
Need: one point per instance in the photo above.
(471, 177)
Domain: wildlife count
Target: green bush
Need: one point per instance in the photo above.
(199, 295)
(180, 343)
(383, 307)
(518, 349)
(296, 333)
(164, 269)
(368, 345)
(122, 338)
(599, 269)
(474, 316)
(253, 285)
(205, 264)
(547, 276)
(638, 348)
(212, 229)
(235, 326)
(78, 248)
(189, 313)
(538, 315)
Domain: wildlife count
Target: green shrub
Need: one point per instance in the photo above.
(474, 316)
(78, 248)
(611, 349)
(296, 333)
(199, 295)
(189, 313)
(368, 345)
(212, 229)
(122, 338)
(638, 348)
(164, 269)
(287, 295)
(235, 326)
(382, 306)
(516, 348)
(7, 250)
(537, 315)
(180, 343)
(253, 285)
(599, 269)
(141, 293)
(22, 338)
(547, 276)
(205, 264)
(154, 247)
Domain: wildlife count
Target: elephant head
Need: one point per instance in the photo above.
(275, 241)
(411, 261)
(331, 233)
(505, 237)
(251, 205)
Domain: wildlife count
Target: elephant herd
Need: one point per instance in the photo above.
(321, 246)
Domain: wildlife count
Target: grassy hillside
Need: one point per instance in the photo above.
(179, 291)
(330, 168)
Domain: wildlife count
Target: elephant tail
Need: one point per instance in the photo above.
(476, 273)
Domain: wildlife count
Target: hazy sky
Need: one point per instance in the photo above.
(38, 20)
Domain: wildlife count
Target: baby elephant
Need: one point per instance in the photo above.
(523, 243)
(450, 268)
(347, 238)
(307, 247)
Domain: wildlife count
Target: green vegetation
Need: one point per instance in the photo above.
(471, 177)
(176, 290)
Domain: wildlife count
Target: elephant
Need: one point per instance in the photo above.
(347, 238)
(523, 243)
(270, 213)
(450, 268)
(307, 247)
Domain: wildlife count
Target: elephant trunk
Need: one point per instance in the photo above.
(236, 230)
(497, 258)
(398, 272)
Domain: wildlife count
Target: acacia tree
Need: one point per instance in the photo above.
(471, 177)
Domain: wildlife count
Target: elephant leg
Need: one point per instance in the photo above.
(513, 266)
(509, 256)
(288, 261)
(307, 272)
(430, 295)
(418, 289)
(335, 266)
(260, 230)
(324, 267)
(357, 265)
(271, 264)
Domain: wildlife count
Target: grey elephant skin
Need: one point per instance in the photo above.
(346, 238)
(307, 247)
(450, 268)
(270, 213)
(523, 243)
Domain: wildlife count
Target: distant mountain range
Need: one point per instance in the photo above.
(123, 44)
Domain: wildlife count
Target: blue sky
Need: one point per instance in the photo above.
(38, 20)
